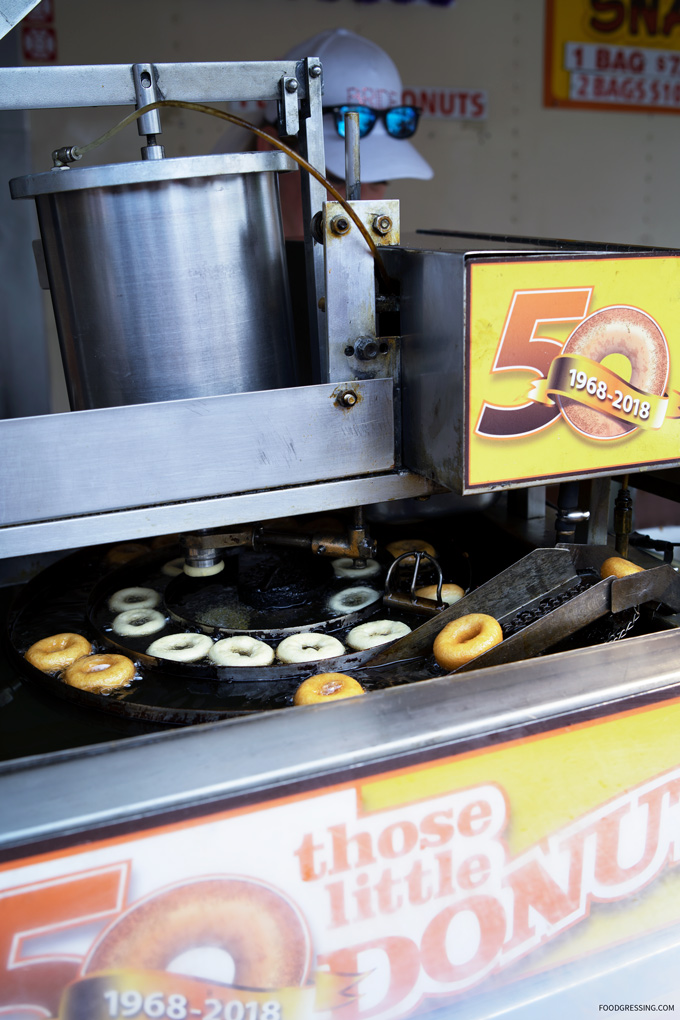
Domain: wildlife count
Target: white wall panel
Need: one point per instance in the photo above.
(526, 168)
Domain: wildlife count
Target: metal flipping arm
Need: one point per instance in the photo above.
(67, 86)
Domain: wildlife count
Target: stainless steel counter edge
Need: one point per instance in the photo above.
(99, 786)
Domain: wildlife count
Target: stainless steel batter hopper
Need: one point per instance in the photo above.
(168, 277)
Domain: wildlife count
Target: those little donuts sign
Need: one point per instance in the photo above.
(576, 364)
(385, 897)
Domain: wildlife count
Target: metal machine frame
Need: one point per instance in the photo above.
(328, 445)
(309, 438)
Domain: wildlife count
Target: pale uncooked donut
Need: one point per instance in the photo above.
(133, 598)
(375, 632)
(181, 647)
(138, 622)
(307, 647)
(173, 568)
(344, 567)
(351, 600)
(241, 650)
(209, 571)
(450, 593)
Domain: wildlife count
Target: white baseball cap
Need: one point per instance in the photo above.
(357, 71)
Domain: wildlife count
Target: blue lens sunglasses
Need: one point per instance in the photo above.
(400, 121)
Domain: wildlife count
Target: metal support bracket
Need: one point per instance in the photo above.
(145, 80)
(352, 346)
(313, 194)
(289, 120)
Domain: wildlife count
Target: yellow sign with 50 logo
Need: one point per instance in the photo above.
(574, 363)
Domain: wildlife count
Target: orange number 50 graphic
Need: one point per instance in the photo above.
(520, 350)
(31, 981)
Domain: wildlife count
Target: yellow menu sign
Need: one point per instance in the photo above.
(613, 54)
(573, 367)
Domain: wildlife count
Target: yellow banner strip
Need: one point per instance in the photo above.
(152, 993)
(590, 383)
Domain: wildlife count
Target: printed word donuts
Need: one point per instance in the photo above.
(308, 647)
(100, 673)
(616, 566)
(53, 653)
(262, 932)
(465, 638)
(241, 650)
(375, 632)
(327, 687)
(617, 330)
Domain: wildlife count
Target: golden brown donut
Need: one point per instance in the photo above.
(100, 673)
(327, 687)
(617, 566)
(465, 638)
(406, 545)
(450, 593)
(619, 329)
(53, 653)
(263, 933)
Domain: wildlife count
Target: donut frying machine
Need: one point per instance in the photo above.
(218, 422)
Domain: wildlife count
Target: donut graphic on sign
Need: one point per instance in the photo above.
(217, 947)
(593, 399)
(577, 383)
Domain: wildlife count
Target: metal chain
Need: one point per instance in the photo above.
(545, 606)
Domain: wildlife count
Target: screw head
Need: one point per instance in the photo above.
(291, 85)
(315, 71)
(382, 225)
(366, 348)
(347, 399)
(340, 224)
